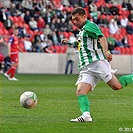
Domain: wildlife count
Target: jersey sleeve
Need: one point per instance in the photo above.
(10, 40)
(93, 30)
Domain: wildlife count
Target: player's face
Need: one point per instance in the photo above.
(15, 32)
(79, 20)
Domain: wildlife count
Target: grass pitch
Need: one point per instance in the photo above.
(57, 104)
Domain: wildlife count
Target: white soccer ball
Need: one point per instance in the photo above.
(28, 99)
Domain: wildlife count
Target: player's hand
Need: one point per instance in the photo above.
(108, 56)
(64, 41)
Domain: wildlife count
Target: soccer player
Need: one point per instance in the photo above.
(13, 50)
(93, 62)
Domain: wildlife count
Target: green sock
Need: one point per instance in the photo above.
(126, 79)
(84, 103)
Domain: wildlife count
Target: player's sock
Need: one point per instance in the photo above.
(126, 79)
(84, 103)
(13, 71)
(9, 71)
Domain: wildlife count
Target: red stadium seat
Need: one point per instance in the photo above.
(105, 31)
(118, 49)
(1, 32)
(129, 36)
(116, 36)
(21, 19)
(123, 31)
(66, 35)
(30, 32)
(131, 50)
(63, 49)
(109, 17)
(103, 16)
(98, 4)
(15, 19)
(120, 17)
(19, 24)
(87, 11)
(123, 50)
(128, 50)
(119, 6)
(57, 49)
(126, 13)
(6, 39)
(131, 23)
(51, 48)
(26, 26)
(1, 25)
(21, 44)
(109, 5)
(11, 18)
(121, 12)
(5, 32)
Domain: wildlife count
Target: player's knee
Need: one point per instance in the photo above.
(81, 92)
(78, 92)
(117, 87)
(15, 64)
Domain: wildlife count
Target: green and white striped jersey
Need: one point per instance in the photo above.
(89, 47)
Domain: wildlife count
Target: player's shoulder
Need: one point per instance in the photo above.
(90, 23)
(11, 38)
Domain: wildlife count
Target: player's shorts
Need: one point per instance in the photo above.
(94, 72)
(14, 57)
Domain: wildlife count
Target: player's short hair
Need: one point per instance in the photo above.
(79, 10)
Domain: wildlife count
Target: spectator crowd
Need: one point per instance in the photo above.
(43, 24)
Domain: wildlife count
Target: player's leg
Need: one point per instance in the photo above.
(123, 81)
(67, 65)
(110, 79)
(71, 67)
(82, 90)
(114, 83)
(13, 68)
(11, 72)
(83, 101)
(85, 83)
(7, 64)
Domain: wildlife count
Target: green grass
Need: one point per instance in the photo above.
(57, 104)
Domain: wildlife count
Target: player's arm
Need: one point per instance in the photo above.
(9, 45)
(66, 41)
(19, 49)
(94, 32)
(104, 45)
(9, 49)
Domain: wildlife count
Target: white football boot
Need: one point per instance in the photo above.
(6, 75)
(13, 79)
(85, 117)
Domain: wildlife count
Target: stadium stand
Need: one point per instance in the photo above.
(57, 16)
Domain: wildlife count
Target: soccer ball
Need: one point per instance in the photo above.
(28, 99)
